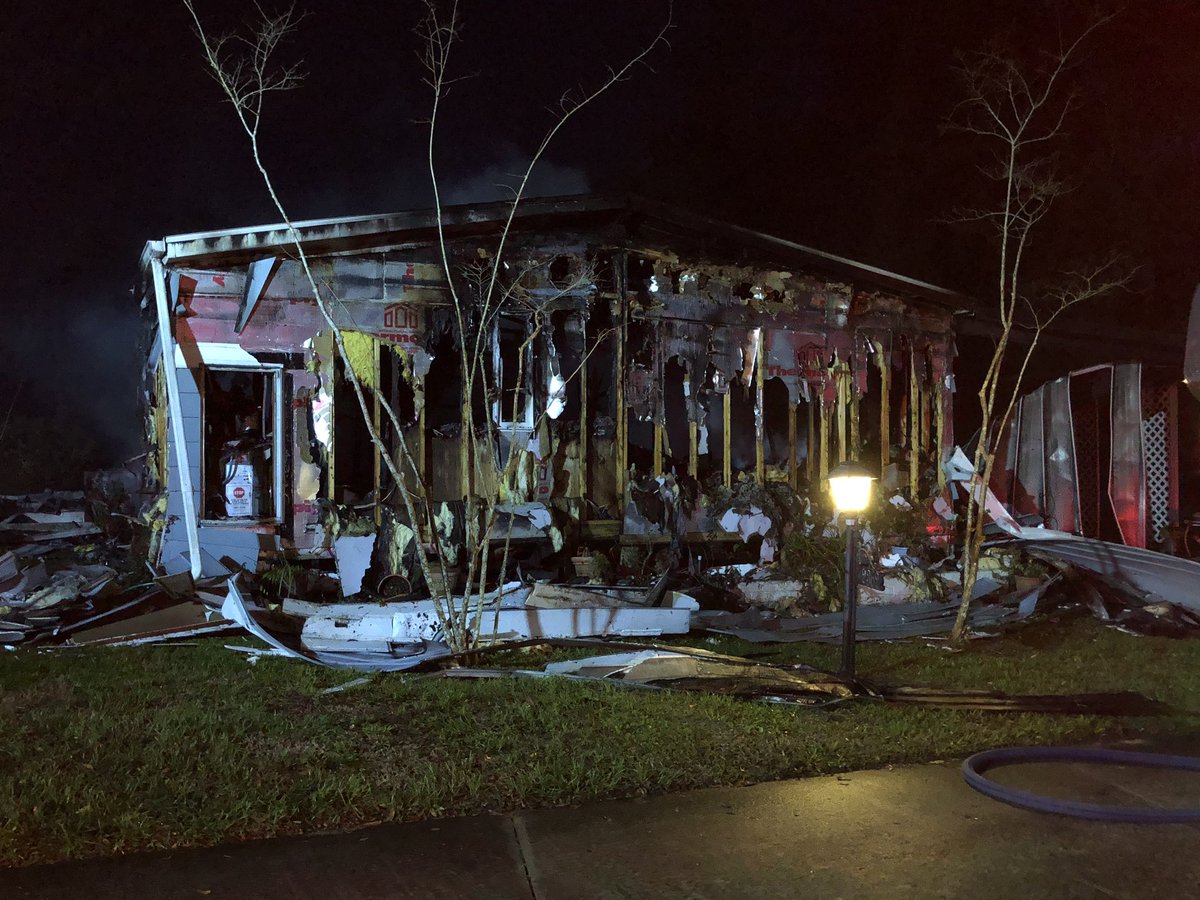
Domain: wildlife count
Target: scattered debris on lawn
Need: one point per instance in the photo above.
(65, 581)
(1119, 703)
(1146, 572)
(711, 672)
(892, 622)
(688, 669)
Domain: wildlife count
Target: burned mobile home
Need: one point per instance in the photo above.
(646, 364)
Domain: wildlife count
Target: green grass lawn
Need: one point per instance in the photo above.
(109, 751)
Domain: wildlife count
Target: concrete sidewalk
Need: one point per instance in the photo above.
(909, 832)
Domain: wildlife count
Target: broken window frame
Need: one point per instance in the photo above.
(274, 373)
(502, 405)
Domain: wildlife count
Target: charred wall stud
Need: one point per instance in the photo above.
(883, 360)
(914, 425)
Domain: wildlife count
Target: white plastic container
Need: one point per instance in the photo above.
(239, 491)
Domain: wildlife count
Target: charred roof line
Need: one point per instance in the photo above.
(242, 244)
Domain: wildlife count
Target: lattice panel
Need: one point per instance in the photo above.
(1158, 473)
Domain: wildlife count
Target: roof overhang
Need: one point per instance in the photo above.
(632, 217)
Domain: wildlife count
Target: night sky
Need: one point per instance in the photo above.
(817, 121)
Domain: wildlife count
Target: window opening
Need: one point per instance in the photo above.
(400, 397)
(675, 412)
(777, 447)
(241, 456)
(513, 378)
(443, 418)
(743, 440)
(354, 451)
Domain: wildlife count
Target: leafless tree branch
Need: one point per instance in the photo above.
(1016, 109)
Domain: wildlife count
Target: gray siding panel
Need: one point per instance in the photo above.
(174, 493)
(189, 382)
(174, 554)
(193, 455)
(175, 504)
(189, 404)
(193, 434)
(174, 500)
(239, 544)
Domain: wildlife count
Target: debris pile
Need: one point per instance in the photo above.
(1133, 590)
(1018, 579)
(64, 579)
(46, 562)
(909, 587)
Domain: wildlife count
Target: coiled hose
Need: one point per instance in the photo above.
(974, 767)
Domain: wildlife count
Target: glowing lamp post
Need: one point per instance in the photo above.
(850, 485)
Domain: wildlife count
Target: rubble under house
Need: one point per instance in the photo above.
(672, 356)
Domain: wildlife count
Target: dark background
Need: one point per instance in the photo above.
(817, 120)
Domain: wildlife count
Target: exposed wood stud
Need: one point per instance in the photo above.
(660, 416)
(914, 435)
(823, 468)
(619, 263)
(926, 411)
(726, 418)
(331, 447)
(855, 450)
(939, 407)
(376, 410)
(759, 413)
(810, 456)
(885, 408)
(584, 427)
(658, 448)
(792, 469)
(693, 431)
(842, 383)
(918, 422)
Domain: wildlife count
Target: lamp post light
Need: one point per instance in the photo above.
(850, 485)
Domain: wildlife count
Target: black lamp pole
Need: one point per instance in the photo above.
(850, 599)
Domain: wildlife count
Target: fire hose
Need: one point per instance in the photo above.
(974, 767)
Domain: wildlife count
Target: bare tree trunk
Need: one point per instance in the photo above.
(1017, 109)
